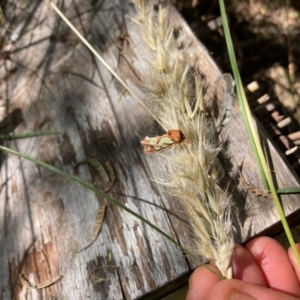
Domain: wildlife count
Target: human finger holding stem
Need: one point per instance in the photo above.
(263, 270)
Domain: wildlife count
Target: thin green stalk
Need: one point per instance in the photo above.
(26, 135)
(253, 133)
(104, 195)
(241, 93)
(289, 190)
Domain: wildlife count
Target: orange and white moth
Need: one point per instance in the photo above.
(162, 142)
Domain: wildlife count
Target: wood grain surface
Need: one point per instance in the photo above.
(50, 81)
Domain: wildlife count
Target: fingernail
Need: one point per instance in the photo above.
(236, 295)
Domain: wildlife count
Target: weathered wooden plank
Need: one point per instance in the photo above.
(44, 213)
(56, 84)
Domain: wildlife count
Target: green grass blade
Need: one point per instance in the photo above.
(100, 193)
(254, 138)
(241, 93)
(26, 135)
(289, 190)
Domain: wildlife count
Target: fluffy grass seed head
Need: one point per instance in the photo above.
(175, 88)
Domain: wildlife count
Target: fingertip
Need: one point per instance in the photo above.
(260, 242)
(245, 267)
(266, 251)
(236, 289)
(275, 265)
(201, 281)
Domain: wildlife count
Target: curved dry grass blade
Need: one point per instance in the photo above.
(97, 228)
(95, 163)
(41, 285)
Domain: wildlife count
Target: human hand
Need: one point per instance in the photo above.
(263, 270)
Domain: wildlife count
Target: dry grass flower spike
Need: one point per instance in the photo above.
(175, 88)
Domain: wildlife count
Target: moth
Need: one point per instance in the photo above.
(162, 142)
